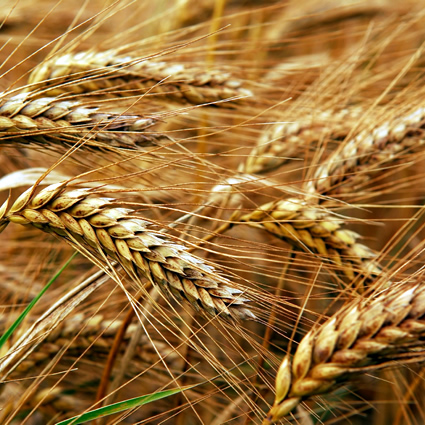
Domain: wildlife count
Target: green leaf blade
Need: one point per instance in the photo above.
(122, 406)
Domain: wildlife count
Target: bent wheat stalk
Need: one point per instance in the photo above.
(92, 225)
(367, 333)
(50, 122)
(102, 71)
(314, 230)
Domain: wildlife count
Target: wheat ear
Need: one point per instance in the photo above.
(350, 165)
(370, 332)
(308, 227)
(50, 122)
(281, 141)
(106, 70)
(96, 332)
(91, 223)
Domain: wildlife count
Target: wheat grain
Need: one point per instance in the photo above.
(370, 332)
(92, 222)
(70, 73)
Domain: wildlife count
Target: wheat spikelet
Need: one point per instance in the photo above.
(366, 333)
(304, 225)
(108, 71)
(350, 166)
(281, 141)
(50, 122)
(92, 222)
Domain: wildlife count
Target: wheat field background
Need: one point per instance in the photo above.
(243, 183)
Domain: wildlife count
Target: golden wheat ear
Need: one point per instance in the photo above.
(372, 332)
(312, 229)
(279, 142)
(106, 72)
(374, 147)
(97, 331)
(52, 123)
(99, 230)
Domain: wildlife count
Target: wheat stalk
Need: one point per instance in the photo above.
(91, 223)
(370, 332)
(50, 122)
(315, 230)
(70, 73)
